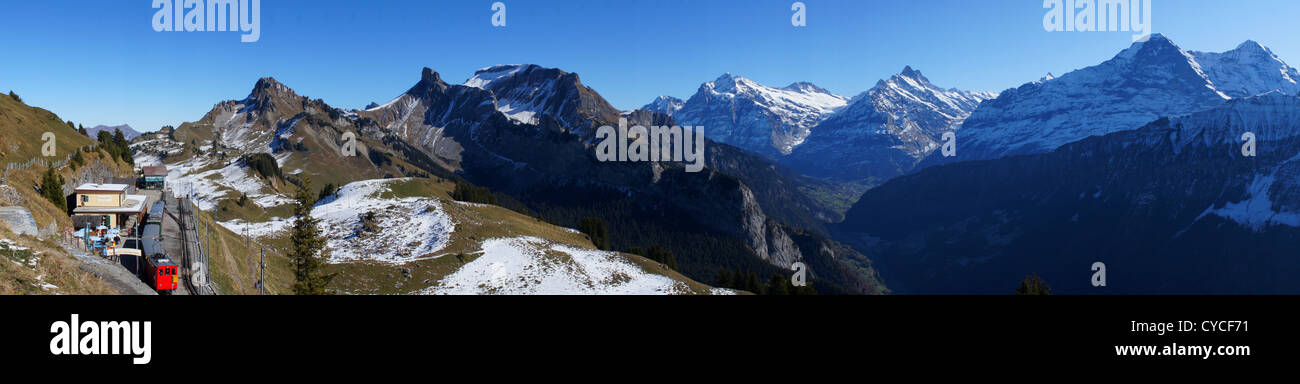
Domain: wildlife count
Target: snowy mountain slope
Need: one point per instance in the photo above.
(885, 131)
(1174, 204)
(523, 92)
(212, 184)
(1148, 80)
(1271, 117)
(758, 118)
(1248, 70)
(666, 105)
(1272, 197)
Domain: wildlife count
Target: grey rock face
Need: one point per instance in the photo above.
(19, 220)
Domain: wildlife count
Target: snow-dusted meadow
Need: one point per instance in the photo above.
(406, 229)
(533, 266)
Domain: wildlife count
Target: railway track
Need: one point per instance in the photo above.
(179, 254)
(187, 255)
(191, 249)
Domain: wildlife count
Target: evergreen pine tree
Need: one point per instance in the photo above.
(597, 230)
(751, 282)
(77, 160)
(306, 247)
(662, 255)
(724, 278)
(52, 189)
(15, 96)
(778, 285)
(1034, 285)
(329, 190)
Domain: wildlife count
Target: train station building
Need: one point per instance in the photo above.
(153, 177)
(109, 202)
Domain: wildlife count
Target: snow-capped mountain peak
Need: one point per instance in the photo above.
(883, 132)
(771, 121)
(1252, 45)
(805, 87)
(667, 105)
(1142, 83)
(908, 72)
(1248, 70)
(525, 92)
(910, 87)
(728, 83)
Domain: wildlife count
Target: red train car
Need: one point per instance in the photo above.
(161, 274)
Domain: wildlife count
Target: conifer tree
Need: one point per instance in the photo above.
(1033, 285)
(306, 247)
(597, 230)
(724, 278)
(778, 285)
(52, 189)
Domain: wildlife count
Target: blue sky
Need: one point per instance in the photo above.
(100, 62)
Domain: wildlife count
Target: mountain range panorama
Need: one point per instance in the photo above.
(525, 132)
(785, 167)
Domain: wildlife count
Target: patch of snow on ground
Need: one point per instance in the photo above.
(405, 230)
(11, 245)
(265, 229)
(532, 266)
